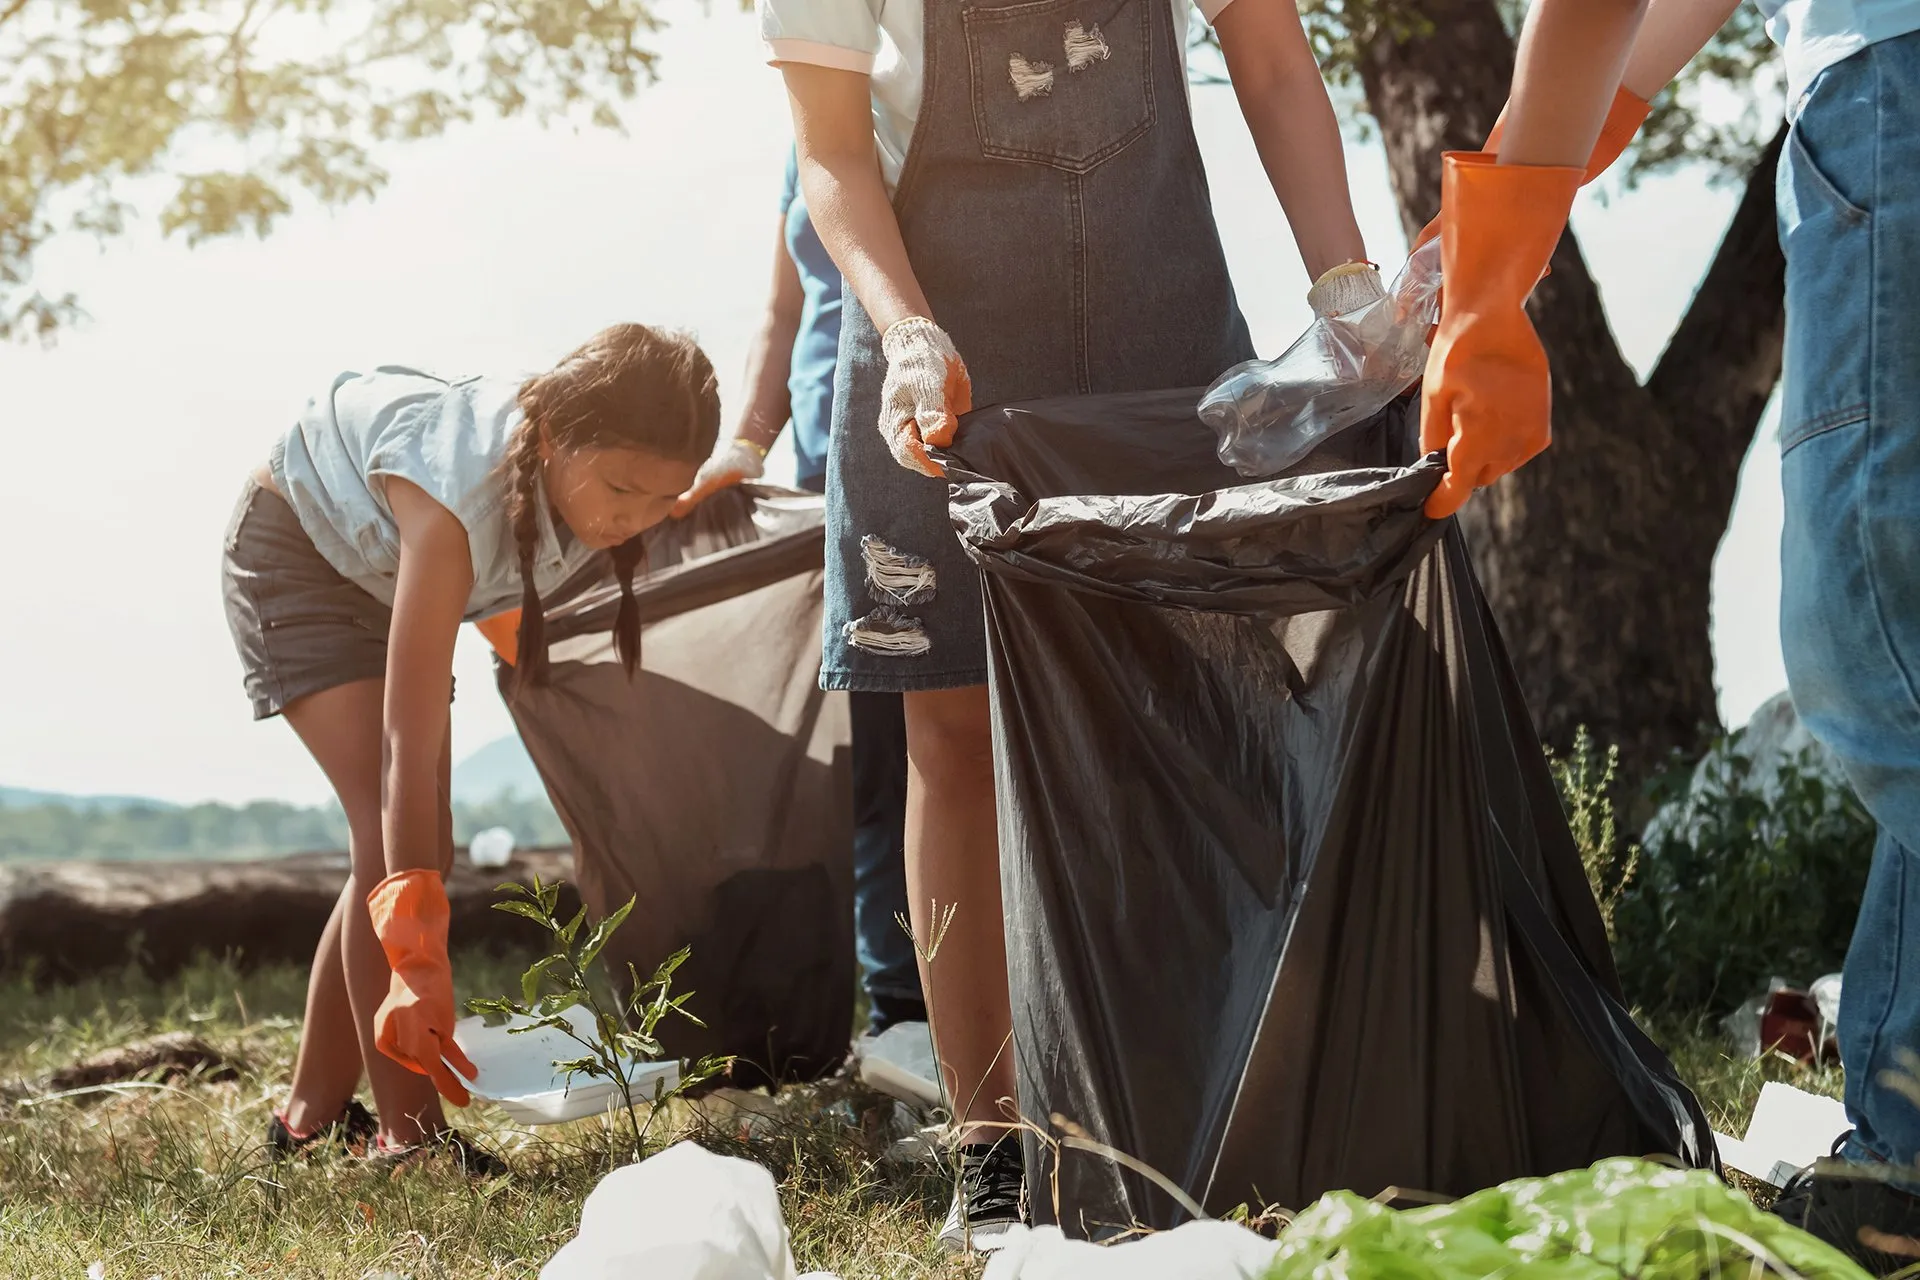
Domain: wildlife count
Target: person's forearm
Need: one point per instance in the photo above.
(430, 594)
(1294, 129)
(1572, 55)
(767, 403)
(846, 196)
(848, 202)
(410, 803)
(1672, 32)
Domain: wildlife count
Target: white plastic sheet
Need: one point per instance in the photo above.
(1195, 1251)
(1269, 414)
(686, 1214)
(516, 1071)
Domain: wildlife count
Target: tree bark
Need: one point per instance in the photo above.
(1598, 555)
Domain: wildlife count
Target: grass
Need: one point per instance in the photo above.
(173, 1181)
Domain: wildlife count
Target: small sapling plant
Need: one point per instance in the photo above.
(623, 1028)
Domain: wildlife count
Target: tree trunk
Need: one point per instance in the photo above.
(1598, 555)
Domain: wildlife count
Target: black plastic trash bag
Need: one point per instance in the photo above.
(1291, 903)
(713, 786)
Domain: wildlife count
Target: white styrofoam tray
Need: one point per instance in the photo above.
(1790, 1130)
(516, 1072)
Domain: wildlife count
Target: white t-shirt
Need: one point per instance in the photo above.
(884, 39)
(1815, 34)
(450, 437)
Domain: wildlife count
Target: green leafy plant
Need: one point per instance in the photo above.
(1747, 873)
(1585, 782)
(623, 1026)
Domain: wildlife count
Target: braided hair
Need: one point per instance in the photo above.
(628, 386)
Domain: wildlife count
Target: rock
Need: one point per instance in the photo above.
(1773, 738)
(62, 920)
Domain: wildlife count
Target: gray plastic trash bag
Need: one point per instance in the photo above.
(714, 786)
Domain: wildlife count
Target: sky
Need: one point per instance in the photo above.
(496, 250)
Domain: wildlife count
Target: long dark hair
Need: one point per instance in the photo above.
(628, 386)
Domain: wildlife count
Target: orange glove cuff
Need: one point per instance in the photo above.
(1624, 118)
(1627, 112)
(410, 917)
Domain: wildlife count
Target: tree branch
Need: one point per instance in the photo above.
(1720, 367)
(12, 11)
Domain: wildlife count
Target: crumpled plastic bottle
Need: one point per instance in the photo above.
(1269, 414)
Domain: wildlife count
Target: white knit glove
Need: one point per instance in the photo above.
(1345, 289)
(925, 392)
(734, 462)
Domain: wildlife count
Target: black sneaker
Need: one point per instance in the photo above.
(1856, 1210)
(467, 1155)
(353, 1132)
(990, 1199)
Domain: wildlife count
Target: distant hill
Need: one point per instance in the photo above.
(23, 798)
(501, 768)
(496, 786)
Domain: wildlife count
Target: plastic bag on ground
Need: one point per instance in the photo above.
(1291, 904)
(1269, 414)
(685, 1214)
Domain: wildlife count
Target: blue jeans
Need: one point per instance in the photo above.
(889, 971)
(1849, 208)
(892, 975)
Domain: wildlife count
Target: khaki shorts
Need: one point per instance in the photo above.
(300, 627)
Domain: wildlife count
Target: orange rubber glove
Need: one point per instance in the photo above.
(415, 1024)
(1488, 395)
(1624, 119)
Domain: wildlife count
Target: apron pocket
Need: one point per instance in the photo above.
(1066, 83)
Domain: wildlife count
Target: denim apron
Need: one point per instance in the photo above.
(1056, 214)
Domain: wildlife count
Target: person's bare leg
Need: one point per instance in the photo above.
(327, 1068)
(953, 858)
(342, 727)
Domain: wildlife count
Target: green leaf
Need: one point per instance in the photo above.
(530, 980)
(558, 1002)
(571, 929)
(494, 1008)
(603, 933)
(525, 909)
(571, 1067)
(668, 967)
